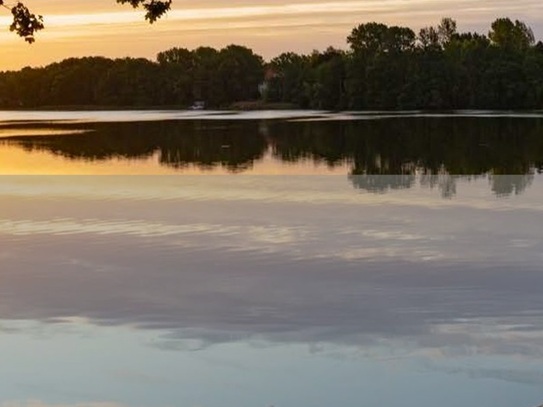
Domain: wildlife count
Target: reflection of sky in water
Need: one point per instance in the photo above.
(213, 291)
(132, 368)
(159, 115)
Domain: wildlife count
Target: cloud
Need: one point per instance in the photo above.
(269, 27)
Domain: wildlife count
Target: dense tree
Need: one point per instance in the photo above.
(514, 36)
(374, 38)
(385, 68)
(378, 68)
(131, 82)
(239, 73)
(429, 38)
(328, 88)
(178, 66)
(178, 78)
(446, 30)
(290, 78)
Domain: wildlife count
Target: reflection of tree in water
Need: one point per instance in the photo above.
(392, 154)
(383, 183)
(177, 144)
(505, 185)
(445, 182)
(396, 146)
(501, 185)
(383, 154)
(227, 147)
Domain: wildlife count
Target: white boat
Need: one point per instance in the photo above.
(198, 105)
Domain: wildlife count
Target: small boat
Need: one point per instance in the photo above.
(198, 105)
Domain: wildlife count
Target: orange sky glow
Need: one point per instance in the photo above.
(102, 27)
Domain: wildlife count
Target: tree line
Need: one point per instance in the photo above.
(177, 78)
(385, 67)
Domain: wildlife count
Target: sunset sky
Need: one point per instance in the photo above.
(102, 27)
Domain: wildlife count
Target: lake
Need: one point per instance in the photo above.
(280, 259)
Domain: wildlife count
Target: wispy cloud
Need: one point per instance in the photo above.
(330, 9)
(269, 27)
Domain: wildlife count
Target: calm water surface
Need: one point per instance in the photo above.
(324, 259)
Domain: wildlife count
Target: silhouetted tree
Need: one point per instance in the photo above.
(515, 36)
(386, 67)
(26, 24)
